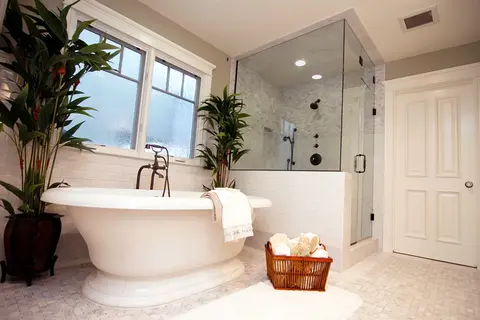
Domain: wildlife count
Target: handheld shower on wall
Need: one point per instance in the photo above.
(314, 105)
(290, 162)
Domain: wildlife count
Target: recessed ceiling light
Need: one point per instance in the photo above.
(300, 63)
(317, 77)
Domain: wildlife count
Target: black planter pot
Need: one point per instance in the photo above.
(30, 244)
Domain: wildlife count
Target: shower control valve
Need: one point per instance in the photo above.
(316, 136)
(315, 145)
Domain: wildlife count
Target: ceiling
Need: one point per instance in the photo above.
(321, 49)
(240, 26)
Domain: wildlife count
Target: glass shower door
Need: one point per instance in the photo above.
(365, 167)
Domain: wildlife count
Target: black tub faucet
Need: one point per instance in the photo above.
(156, 166)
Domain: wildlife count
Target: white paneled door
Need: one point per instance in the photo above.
(435, 187)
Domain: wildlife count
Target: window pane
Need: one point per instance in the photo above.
(115, 99)
(89, 37)
(189, 87)
(170, 123)
(131, 63)
(160, 75)
(115, 62)
(175, 82)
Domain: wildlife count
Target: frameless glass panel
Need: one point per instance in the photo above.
(189, 87)
(368, 174)
(357, 145)
(171, 123)
(175, 82)
(160, 72)
(115, 62)
(131, 63)
(115, 99)
(306, 95)
(89, 37)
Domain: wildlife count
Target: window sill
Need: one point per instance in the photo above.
(133, 154)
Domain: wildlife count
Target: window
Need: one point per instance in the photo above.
(169, 120)
(114, 94)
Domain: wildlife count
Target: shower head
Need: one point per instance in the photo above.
(314, 105)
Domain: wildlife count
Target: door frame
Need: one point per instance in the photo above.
(426, 81)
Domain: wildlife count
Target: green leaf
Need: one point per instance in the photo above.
(64, 11)
(70, 132)
(54, 24)
(25, 136)
(16, 191)
(7, 206)
(82, 26)
(76, 102)
(13, 19)
(58, 184)
(25, 208)
(97, 47)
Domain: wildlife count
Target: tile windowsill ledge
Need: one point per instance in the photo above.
(132, 154)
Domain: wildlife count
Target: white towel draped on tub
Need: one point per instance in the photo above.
(233, 208)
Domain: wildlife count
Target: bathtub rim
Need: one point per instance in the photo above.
(100, 198)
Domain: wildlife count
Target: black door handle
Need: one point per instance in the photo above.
(364, 163)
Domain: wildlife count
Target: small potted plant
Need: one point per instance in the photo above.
(37, 121)
(224, 122)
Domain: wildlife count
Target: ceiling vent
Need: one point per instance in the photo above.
(419, 19)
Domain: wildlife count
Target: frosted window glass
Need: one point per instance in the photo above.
(115, 99)
(115, 62)
(131, 63)
(89, 37)
(189, 87)
(170, 123)
(160, 76)
(175, 82)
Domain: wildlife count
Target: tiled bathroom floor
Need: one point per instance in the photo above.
(392, 287)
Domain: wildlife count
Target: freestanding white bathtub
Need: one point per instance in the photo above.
(150, 250)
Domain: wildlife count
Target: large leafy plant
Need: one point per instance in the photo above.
(224, 122)
(37, 120)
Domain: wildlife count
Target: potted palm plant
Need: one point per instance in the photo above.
(37, 121)
(224, 122)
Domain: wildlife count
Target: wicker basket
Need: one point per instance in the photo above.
(297, 273)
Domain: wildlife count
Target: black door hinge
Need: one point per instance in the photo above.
(360, 60)
(374, 111)
(372, 216)
(374, 80)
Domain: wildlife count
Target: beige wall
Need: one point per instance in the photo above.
(432, 61)
(165, 27)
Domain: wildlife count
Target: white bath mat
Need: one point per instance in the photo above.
(263, 302)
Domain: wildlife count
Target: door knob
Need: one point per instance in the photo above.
(469, 184)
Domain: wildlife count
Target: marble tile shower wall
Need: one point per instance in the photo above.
(324, 121)
(84, 169)
(265, 104)
(269, 106)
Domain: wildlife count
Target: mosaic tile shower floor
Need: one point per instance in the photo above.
(392, 287)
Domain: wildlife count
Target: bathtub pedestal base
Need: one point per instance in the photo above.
(114, 291)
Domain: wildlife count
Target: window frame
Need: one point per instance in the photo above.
(195, 101)
(155, 47)
(118, 73)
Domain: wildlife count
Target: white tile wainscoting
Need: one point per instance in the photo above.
(318, 202)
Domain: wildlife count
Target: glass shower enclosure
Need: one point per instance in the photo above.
(311, 101)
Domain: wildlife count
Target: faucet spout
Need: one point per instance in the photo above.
(156, 167)
(139, 173)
